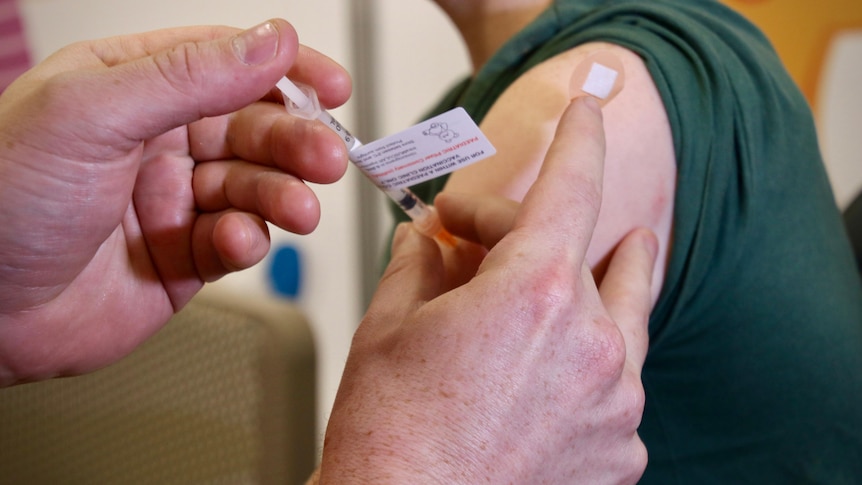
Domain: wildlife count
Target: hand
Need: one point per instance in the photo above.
(527, 373)
(136, 168)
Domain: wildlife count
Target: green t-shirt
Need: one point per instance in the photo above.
(754, 373)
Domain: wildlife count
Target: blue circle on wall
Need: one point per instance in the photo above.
(285, 271)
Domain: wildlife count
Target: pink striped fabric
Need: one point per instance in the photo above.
(14, 57)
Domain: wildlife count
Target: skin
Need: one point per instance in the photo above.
(117, 208)
(502, 360)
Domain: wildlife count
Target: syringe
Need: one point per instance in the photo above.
(301, 101)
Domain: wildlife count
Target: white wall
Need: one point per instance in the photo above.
(839, 116)
(413, 75)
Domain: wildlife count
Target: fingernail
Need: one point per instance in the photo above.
(257, 44)
(401, 232)
(650, 242)
(591, 103)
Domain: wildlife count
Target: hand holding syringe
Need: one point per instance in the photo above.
(302, 102)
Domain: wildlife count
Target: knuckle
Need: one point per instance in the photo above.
(58, 91)
(637, 463)
(632, 402)
(553, 284)
(586, 192)
(604, 350)
(179, 68)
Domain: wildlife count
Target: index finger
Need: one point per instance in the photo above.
(563, 204)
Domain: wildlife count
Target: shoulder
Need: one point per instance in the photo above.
(640, 165)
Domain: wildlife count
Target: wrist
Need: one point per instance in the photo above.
(401, 452)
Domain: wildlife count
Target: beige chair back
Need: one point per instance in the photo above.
(225, 393)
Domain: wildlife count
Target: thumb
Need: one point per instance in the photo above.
(414, 276)
(482, 219)
(626, 290)
(192, 76)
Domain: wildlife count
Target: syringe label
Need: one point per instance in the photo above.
(425, 151)
(335, 126)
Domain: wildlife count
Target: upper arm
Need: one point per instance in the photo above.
(640, 167)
